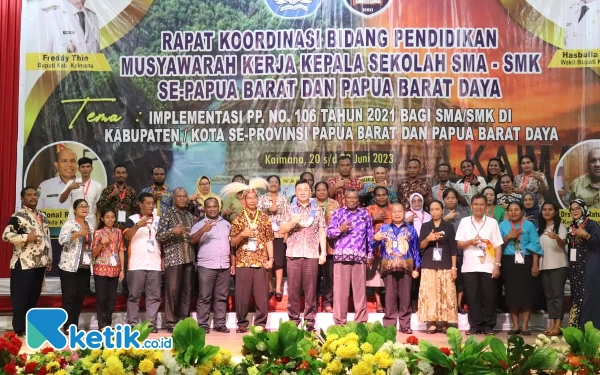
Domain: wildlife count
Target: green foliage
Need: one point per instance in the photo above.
(145, 330)
(188, 342)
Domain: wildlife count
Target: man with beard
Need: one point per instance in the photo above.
(163, 195)
(215, 266)
(414, 184)
(49, 191)
(174, 236)
(28, 231)
(340, 183)
(119, 197)
(122, 200)
(443, 174)
(587, 187)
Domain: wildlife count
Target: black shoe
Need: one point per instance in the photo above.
(170, 329)
(221, 329)
(406, 331)
(154, 330)
(488, 331)
(472, 332)
(310, 329)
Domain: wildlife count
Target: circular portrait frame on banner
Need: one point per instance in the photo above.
(572, 175)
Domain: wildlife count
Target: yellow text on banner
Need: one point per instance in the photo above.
(576, 58)
(91, 62)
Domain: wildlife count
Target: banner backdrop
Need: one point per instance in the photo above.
(260, 87)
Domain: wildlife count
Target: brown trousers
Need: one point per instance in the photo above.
(302, 274)
(398, 286)
(344, 275)
(251, 281)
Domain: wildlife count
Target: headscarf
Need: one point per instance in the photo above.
(532, 213)
(200, 198)
(420, 213)
(585, 213)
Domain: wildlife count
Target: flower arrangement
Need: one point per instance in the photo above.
(354, 349)
(288, 351)
(10, 346)
(583, 354)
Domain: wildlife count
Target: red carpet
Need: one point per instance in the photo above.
(89, 304)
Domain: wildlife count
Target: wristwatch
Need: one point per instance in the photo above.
(272, 259)
(498, 264)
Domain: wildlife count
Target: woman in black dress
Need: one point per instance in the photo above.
(584, 273)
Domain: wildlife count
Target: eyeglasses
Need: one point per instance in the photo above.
(575, 209)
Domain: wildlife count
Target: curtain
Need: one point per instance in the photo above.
(10, 37)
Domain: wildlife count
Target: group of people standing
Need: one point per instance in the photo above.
(431, 248)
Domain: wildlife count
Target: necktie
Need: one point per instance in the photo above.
(584, 10)
(81, 16)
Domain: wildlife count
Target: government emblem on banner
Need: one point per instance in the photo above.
(367, 7)
(293, 8)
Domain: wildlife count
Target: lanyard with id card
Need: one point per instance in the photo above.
(87, 259)
(122, 215)
(519, 254)
(437, 250)
(113, 260)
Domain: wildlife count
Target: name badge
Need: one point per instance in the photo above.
(113, 260)
(121, 216)
(150, 245)
(437, 254)
(480, 252)
(155, 212)
(519, 257)
(275, 226)
(573, 255)
(86, 258)
(395, 245)
(252, 246)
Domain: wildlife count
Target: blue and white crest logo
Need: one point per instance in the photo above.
(367, 8)
(293, 8)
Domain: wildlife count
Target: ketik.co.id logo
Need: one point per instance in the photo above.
(367, 8)
(44, 325)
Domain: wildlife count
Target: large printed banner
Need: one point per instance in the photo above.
(261, 87)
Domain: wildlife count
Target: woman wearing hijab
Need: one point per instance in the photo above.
(234, 202)
(417, 216)
(203, 192)
(531, 207)
(583, 240)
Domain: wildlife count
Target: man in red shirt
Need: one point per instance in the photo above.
(339, 184)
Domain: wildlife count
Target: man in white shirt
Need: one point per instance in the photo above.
(49, 190)
(67, 27)
(479, 237)
(144, 272)
(583, 25)
(83, 188)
